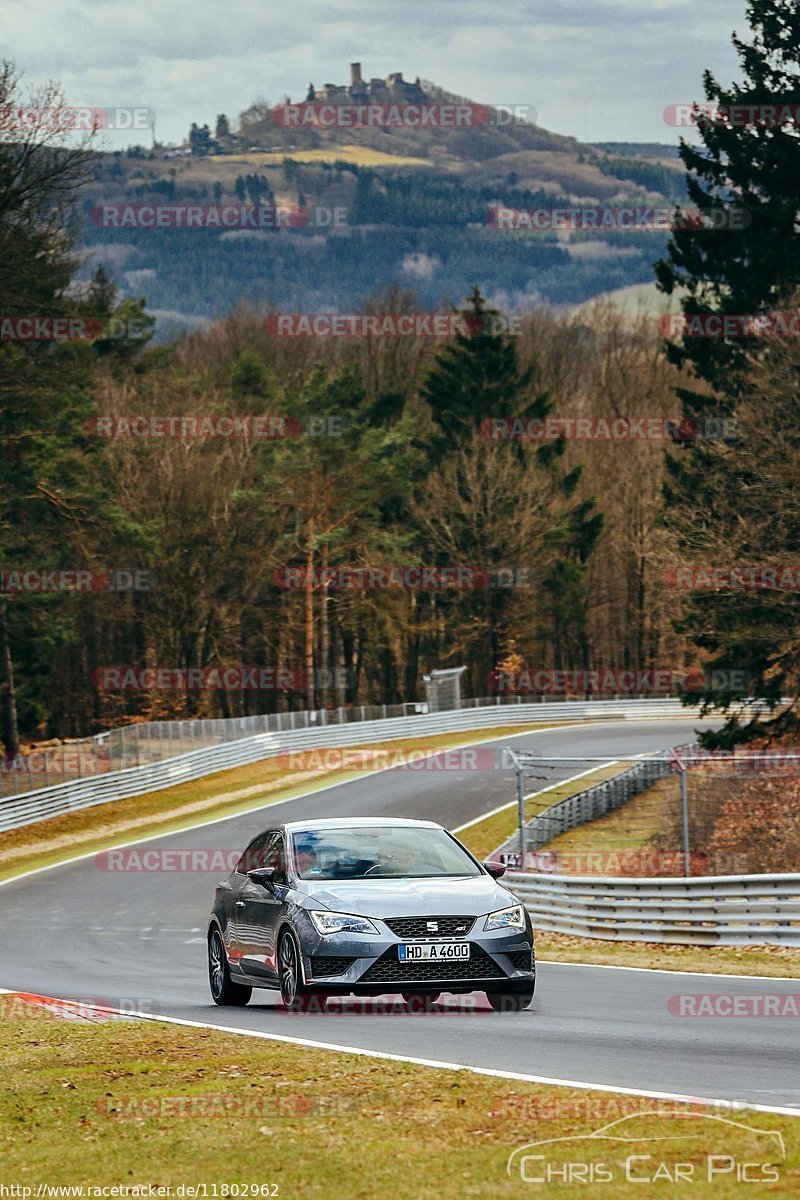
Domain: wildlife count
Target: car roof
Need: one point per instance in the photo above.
(359, 823)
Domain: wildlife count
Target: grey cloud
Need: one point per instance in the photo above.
(598, 69)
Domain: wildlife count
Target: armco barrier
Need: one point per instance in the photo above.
(38, 805)
(146, 742)
(726, 910)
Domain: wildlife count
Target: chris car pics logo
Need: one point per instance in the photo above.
(680, 1148)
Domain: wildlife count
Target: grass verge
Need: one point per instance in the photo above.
(759, 959)
(625, 836)
(147, 1103)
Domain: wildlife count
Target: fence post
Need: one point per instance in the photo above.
(687, 865)
(521, 810)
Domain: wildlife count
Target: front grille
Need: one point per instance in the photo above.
(521, 960)
(417, 927)
(389, 969)
(329, 965)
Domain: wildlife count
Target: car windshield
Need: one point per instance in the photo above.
(379, 852)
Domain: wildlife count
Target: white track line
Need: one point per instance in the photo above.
(439, 1065)
(513, 803)
(557, 962)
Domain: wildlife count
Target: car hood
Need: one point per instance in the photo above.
(469, 896)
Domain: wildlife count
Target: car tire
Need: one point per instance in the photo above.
(223, 990)
(508, 1002)
(290, 976)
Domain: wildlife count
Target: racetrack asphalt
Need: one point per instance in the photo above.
(136, 940)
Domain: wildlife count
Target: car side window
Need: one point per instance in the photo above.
(254, 855)
(275, 856)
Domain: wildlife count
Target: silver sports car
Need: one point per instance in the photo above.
(367, 905)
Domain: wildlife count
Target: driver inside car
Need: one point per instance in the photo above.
(305, 860)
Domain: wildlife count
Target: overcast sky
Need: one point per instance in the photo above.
(601, 70)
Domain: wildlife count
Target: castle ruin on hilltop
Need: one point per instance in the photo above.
(390, 90)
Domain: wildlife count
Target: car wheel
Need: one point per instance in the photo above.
(293, 994)
(427, 998)
(510, 1001)
(223, 990)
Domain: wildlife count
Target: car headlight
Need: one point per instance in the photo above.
(333, 922)
(506, 918)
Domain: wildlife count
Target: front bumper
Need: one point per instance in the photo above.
(340, 964)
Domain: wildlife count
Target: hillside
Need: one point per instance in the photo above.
(414, 203)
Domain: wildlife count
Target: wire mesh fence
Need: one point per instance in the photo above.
(583, 806)
(147, 742)
(694, 812)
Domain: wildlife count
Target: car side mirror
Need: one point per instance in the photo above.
(263, 876)
(495, 869)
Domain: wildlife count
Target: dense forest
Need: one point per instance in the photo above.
(245, 545)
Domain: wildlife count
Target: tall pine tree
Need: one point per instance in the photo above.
(751, 163)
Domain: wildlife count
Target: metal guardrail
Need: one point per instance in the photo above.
(42, 803)
(145, 742)
(726, 910)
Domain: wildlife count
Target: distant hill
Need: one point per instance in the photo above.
(416, 204)
(637, 298)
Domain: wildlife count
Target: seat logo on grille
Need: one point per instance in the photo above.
(432, 926)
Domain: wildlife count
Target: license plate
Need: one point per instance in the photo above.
(438, 951)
